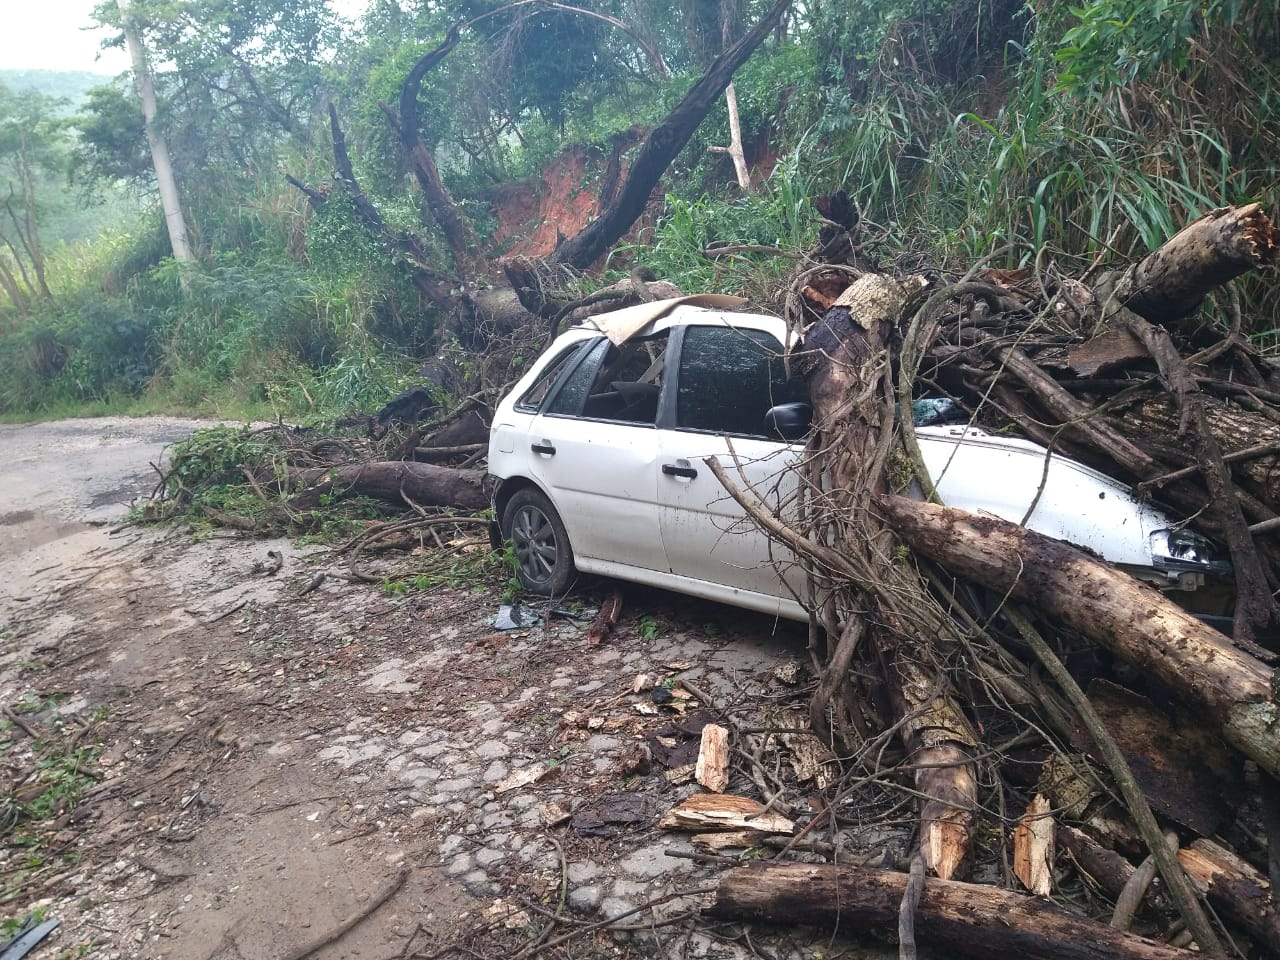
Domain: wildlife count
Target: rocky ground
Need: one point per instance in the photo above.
(274, 767)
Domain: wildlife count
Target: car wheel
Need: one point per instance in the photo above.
(544, 558)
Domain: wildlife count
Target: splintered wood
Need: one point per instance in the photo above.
(712, 768)
(725, 811)
(1033, 848)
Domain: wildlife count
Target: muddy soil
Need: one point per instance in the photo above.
(280, 769)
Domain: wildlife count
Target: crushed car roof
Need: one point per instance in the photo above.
(621, 325)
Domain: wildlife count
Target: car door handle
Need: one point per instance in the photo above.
(546, 448)
(671, 470)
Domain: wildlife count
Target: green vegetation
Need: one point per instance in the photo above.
(1064, 132)
(236, 476)
(52, 773)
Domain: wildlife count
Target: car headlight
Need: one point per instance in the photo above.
(1187, 551)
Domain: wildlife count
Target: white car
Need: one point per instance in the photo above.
(598, 456)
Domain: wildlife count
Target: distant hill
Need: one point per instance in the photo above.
(70, 84)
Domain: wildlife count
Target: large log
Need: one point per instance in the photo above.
(959, 919)
(1129, 618)
(1235, 890)
(852, 348)
(1250, 441)
(423, 483)
(1171, 282)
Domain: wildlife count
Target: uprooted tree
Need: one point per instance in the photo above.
(479, 307)
(983, 650)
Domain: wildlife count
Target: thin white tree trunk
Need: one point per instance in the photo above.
(735, 140)
(728, 15)
(168, 187)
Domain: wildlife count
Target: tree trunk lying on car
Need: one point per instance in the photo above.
(850, 349)
(1125, 616)
(988, 345)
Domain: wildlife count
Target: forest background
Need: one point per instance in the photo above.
(1048, 134)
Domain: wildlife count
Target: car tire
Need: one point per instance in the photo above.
(544, 557)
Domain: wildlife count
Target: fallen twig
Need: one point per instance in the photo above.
(341, 930)
(18, 722)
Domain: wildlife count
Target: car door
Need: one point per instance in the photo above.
(594, 451)
(727, 380)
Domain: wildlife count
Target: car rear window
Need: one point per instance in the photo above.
(729, 379)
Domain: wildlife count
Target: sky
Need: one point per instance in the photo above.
(60, 35)
(48, 35)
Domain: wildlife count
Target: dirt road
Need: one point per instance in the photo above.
(272, 773)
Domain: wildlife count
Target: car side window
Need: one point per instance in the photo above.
(729, 379)
(572, 394)
(532, 398)
(626, 385)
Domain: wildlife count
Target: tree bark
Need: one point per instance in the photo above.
(423, 483)
(958, 919)
(1129, 618)
(847, 385)
(1171, 282)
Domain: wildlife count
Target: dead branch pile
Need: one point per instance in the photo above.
(1047, 705)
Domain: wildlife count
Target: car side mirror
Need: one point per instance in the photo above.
(788, 421)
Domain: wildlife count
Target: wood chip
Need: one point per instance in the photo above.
(788, 673)
(680, 774)
(554, 814)
(606, 619)
(712, 768)
(723, 811)
(728, 840)
(523, 777)
(1033, 847)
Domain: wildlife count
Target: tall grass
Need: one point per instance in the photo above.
(1084, 173)
(778, 215)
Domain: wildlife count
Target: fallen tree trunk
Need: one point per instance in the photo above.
(424, 484)
(847, 386)
(1250, 441)
(961, 918)
(1235, 890)
(1171, 282)
(1129, 618)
